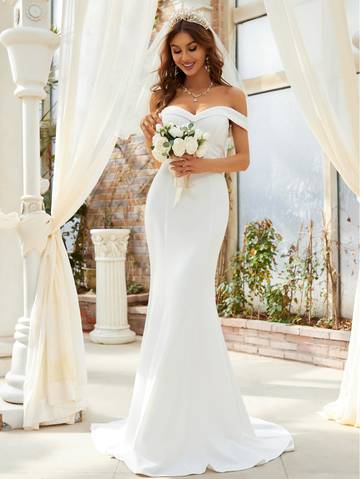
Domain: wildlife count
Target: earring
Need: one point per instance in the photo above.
(176, 71)
(207, 64)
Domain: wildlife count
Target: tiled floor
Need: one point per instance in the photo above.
(285, 392)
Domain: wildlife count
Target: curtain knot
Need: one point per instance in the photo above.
(34, 229)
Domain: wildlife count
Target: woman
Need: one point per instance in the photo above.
(187, 412)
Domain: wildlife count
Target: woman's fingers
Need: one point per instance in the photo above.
(158, 118)
(151, 121)
(181, 167)
(147, 128)
(148, 124)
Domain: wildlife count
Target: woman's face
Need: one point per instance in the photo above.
(188, 55)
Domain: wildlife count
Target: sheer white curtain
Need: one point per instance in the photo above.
(102, 52)
(315, 47)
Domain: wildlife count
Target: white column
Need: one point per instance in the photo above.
(30, 47)
(11, 290)
(111, 298)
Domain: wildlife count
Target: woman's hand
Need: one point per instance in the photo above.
(148, 125)
(189, 164)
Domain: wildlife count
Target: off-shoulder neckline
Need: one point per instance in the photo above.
(205, 110)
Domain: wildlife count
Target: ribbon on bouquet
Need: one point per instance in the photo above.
(181, 183)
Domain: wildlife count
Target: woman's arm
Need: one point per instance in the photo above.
(151, 130)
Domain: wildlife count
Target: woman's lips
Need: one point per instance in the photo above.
(188, 66)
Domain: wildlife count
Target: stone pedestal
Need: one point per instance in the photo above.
(111, 299)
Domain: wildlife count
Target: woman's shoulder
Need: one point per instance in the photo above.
(232, 96)
(236, 98)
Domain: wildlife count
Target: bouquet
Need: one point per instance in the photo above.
(171, 141)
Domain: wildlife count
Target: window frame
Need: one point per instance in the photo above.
(247, 11)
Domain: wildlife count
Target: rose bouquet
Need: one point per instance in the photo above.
(171, 141)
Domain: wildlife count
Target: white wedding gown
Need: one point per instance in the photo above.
(186, 412)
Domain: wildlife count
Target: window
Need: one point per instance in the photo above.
(285, 180)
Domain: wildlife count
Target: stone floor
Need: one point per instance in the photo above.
(286, 392)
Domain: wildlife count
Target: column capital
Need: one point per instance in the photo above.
(110, 244)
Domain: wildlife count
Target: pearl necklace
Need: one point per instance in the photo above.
(196, 96)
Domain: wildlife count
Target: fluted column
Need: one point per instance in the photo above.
(30, 46)
(111, 298)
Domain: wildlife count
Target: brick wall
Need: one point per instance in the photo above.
(136, 306)
(319, 346)
(124, 185)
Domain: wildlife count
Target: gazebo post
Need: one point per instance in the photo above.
(30, 45)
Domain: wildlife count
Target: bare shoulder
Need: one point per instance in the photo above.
(238, 99)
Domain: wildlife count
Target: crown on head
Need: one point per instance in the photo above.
(189, 16)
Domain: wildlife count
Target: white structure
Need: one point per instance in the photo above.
(111, 300)
(11, 291)
(30, 48)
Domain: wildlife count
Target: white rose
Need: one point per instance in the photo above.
(201, 150)
(160, 155)
(206, 135)
(179, 147)
(175, 132)
(157, 139)
(191, 145)
(160, 145)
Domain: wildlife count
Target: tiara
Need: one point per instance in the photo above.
(189, 16)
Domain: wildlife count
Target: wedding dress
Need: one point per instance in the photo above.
(186, 412)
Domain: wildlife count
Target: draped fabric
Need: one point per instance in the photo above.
(346, 408)
(315, 47)
(102, 52)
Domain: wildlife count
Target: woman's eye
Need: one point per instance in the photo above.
(192, 49)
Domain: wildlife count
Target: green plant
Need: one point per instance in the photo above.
(250, 270)
(281, 297)
(309, 271)
(277, 302)
(259, 257)
(78, 230)
(230, 298)
(331, 276)
(252, 277)
(135, 288)
(326, 323)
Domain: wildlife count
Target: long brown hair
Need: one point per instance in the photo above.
(165, 88)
